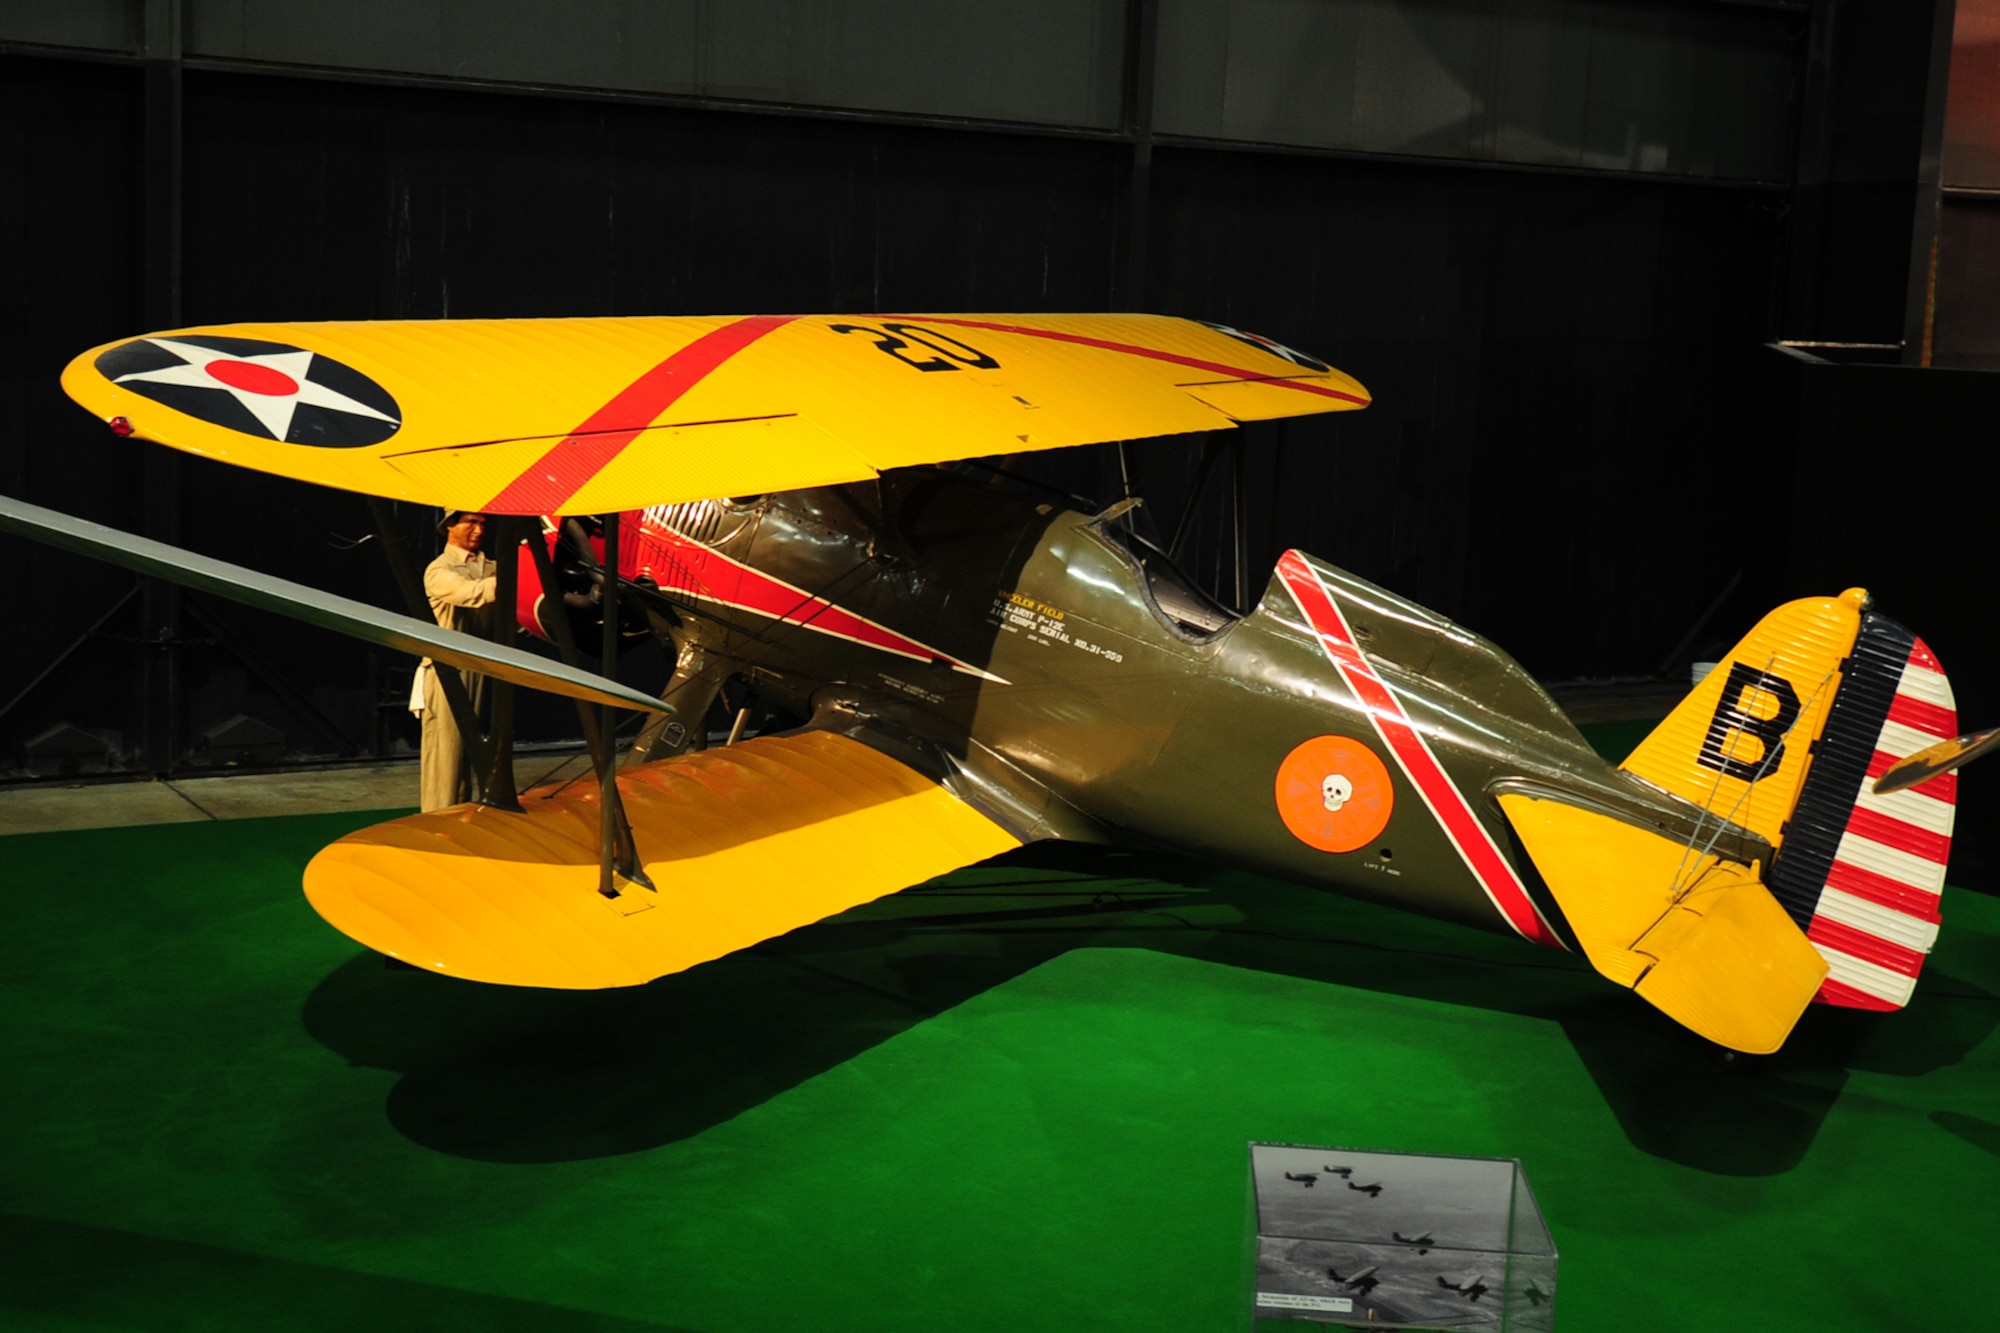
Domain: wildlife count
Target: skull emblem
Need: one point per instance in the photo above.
(1335, 791)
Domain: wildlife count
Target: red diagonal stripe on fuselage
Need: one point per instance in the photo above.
(1394, 725)
(546, 485)
(710, 575)
(1151, 354)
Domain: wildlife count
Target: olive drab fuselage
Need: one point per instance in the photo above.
(1062, 677)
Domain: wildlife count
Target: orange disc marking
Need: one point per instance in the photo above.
(1334, 794)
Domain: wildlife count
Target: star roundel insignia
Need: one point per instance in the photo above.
(1263, 344)
(270, 390)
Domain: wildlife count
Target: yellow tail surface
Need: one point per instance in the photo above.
(1705, 940)
(1698, 938)
(1740, 743)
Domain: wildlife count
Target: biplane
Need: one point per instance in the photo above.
(807, 507)
(1472, 1288)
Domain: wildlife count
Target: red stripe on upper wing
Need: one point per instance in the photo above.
(1400, 734)
(1153, 354)
(546, 485)
(1914, 712)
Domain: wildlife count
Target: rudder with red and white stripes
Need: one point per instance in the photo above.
(1861, 873)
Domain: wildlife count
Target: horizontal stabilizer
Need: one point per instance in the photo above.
(1701, 939)
(372, 624)
(743, 843)
(1730, 964)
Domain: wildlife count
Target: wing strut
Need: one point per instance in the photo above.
(616, 850)
(1211, 449)
(607, 754)
(497, 789)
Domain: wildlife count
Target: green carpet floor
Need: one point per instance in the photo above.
(1015, 1099)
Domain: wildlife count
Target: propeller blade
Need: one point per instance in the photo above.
(1939, 759)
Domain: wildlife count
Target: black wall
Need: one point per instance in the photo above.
(1567, 368)
(1553, 360)
(1890, 476)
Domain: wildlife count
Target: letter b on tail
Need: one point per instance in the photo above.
(1723, 750)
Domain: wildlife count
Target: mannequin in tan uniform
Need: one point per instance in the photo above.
(461, 584)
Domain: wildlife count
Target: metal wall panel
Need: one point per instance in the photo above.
(1968, 285)
(1972, 113)
(582, 43)
(1057, 62)
(71, 237)
(101, 25)
(400, 35)
(1658, 86)
(1049, 61)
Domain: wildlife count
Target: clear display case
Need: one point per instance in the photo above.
(1395, 1240)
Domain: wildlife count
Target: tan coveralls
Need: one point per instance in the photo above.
(461, 586)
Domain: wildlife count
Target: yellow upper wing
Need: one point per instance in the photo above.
(743, 843)
(537, 416)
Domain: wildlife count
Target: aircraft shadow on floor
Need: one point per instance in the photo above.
(516, 1075)
(1981, 1134)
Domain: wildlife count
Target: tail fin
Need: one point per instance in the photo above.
(1784, 738)
(1740, 743)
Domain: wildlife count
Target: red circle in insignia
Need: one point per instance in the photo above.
(253, 378)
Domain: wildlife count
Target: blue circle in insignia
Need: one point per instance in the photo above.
(269, 390)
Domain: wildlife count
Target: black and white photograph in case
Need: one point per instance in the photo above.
(1398, 1240)
(1395, 1285)
(1458, 1202)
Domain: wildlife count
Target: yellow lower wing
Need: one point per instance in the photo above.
(1698, 938)
(744, 843)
